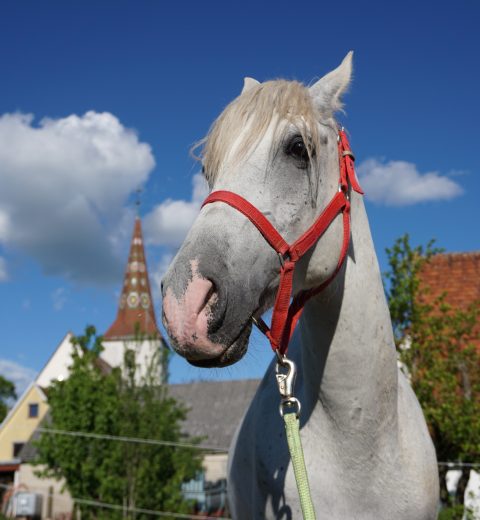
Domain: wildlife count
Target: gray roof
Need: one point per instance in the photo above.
(29, 450)
(215, 407)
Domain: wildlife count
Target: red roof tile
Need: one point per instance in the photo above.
(136, 305)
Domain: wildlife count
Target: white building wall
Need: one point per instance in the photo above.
(55, 503)
(215, 466)
(114, 352)
(57, 367)
(472, 493)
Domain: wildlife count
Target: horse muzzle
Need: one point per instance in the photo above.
(195, 322)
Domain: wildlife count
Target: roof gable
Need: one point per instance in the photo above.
(57, 366)
(31, 389)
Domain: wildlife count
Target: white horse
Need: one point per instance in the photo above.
(367, 449)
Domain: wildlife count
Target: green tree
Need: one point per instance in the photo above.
(125, 403)
(434, 341)
(7, 393)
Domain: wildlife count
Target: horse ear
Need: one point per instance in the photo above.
(327, 91)
(249, 83)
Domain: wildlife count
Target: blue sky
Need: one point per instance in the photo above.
(98, 98)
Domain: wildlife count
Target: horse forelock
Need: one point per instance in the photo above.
(259, 107)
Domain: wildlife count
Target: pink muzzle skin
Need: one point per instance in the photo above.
(187, 318)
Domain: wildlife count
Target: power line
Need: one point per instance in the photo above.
(460, 464)
(136, 440)
(44, 491)
(94, 503)
(203, 447)
(41, 491)
(117, 507)
(154, 512)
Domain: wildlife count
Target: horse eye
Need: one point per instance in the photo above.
(297, 149)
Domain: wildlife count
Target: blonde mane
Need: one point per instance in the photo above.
(255, 109)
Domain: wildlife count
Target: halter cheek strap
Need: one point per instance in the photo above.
(285, 313)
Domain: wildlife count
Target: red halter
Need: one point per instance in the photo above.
(285, 314)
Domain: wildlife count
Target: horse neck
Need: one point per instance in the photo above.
(347, 348)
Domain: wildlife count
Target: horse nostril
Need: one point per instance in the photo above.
(211, 293)
(215, 305)
(209, 297)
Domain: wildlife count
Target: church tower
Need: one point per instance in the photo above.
(135, 326)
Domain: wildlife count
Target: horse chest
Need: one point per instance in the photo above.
(262, 478)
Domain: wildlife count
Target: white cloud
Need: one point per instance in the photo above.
(158, 273)
(399, 183)
(4, 225)
(64, 185)
(3, 270)
(59, 298)
(20, 375)
(168, 223)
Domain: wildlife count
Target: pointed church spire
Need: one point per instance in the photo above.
(135, 308)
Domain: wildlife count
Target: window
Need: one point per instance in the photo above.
(17, 448)
(33, 410)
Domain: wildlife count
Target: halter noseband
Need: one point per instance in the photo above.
(285, 314)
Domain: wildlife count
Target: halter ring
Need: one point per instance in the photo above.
(289, 403)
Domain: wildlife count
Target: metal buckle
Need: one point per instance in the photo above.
(349, 153)
(286, 382)
(282, 258)
(345, 192)
(261, 325)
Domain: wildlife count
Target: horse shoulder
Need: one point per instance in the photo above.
(417, 453)
(259, 458)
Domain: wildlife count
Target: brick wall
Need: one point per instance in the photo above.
(457, 274)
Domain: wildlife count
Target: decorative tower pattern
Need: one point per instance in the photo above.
(136, 305)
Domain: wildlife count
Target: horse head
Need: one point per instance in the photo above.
(275, 146)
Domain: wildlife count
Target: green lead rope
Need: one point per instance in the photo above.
(285, 373)
(292, 427)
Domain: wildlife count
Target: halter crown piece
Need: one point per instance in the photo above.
(285, 313)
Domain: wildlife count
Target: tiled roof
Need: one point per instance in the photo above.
(135, 307)
(215, 409)
(29, 451)
(457, 274)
